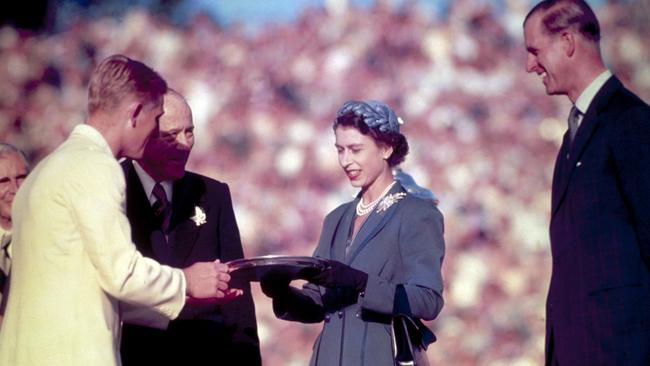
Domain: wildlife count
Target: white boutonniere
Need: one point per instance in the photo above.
(199, 217)
(389, 200)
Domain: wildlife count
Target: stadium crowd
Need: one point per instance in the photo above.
(483, 137)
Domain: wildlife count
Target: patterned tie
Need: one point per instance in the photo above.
(573, 121)
(161, 208)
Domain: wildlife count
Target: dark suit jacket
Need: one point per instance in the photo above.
(598, 306)
(225, 334)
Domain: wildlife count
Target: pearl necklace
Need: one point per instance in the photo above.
(364, 209)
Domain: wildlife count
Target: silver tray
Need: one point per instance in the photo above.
(293, 267)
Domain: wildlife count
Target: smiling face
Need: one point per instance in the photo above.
(362, 159)
(546, 56)
(12, 174)
(167, 151)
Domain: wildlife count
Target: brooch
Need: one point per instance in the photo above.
(199, 216)
(389, 200)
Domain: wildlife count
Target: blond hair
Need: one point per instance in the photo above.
(117, 77)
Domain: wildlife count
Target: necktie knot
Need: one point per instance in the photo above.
(574, 117)
(161, 207)
(160, 194)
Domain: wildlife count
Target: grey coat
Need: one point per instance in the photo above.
(400, 245)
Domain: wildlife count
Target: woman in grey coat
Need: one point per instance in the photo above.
(384, 237)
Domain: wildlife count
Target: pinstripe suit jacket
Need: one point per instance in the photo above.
(598, 305)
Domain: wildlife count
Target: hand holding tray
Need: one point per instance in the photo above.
(293, 267)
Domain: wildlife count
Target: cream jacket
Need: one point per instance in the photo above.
(74, 268)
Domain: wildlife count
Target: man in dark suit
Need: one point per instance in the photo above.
(598, 305)
(178, 218)
(13, 171)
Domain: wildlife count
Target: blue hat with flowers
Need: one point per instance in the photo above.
(376, 115)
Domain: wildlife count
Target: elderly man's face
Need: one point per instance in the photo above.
(12, 174)
(169, 148)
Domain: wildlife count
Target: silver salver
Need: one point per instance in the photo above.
(291, 267)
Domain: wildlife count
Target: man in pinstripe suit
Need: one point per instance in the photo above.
(598, 305)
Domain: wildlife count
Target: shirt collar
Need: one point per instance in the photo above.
(148, 183)
(583, 101)
(5, 237)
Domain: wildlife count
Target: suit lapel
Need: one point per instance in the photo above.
(184, 232)
(336, 234)
(375, 222)
(586, 130)
(559, 171)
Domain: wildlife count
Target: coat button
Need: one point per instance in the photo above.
(327, 318)
(340, 314)
(357, 314)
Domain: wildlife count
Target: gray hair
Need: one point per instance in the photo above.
(6, 149)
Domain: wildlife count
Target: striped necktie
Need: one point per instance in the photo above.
(161, 208)
(574, 116)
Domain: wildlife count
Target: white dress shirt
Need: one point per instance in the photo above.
(587, 95)
(148, 183)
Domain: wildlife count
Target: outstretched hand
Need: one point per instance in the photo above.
(229, 295)
(341, 275)
(207, 282)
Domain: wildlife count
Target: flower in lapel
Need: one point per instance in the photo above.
(199, 216)
(389, 200)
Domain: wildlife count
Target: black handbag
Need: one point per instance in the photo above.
(410, 337)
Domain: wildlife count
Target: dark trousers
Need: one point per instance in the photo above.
(185, 342)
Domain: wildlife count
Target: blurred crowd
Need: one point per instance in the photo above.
(483, 136)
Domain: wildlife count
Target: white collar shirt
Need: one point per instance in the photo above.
(148, 183)
(587, 96)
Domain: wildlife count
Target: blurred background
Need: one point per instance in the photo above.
(265, 78)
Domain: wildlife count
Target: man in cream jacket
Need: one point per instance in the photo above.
(75, 272)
